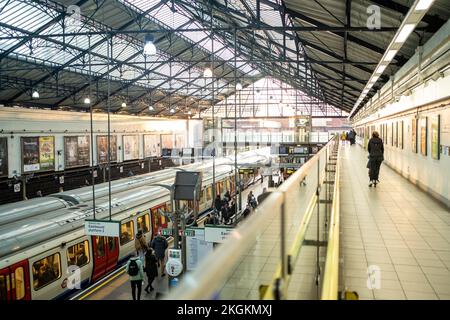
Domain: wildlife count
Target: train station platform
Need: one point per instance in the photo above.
(118, 287)
(396, 231)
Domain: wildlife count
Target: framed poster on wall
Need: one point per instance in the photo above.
(414, 135)
(179, 141)
(38, 153)
(392, 134)
(167, 141)
(435, 123)
(102, 149)
(130, 147)
(395, 134)
(47, 153)
(423, 122)
(400, 134)
(3, 156)
(76, 151)
(152, 145)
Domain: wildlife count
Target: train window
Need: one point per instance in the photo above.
(228, 185)
(209, 193)
(19, 280)
(126, 232)
(46, 271)
(78, 254)
(221, 186)
(3, 291)
(168, 207)
(111, 244)
(143, 223)
(100, 245)
(202, 196)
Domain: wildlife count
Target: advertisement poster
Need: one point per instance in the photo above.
(70, 152)
(76, 151)
(130, 147)
(152, 145)
(400, 134)
(395, 128)
(414, 135)
(423, 135)
(435, 136)
(102, 149)
(30, 154)
(179, 141)
(47, 153)
(3, 156)
(167, 141)
(389, 134)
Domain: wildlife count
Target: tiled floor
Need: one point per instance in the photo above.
(394, 228)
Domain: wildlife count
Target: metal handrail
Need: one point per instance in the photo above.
(331, 273)
(294, 252)
(219, 265)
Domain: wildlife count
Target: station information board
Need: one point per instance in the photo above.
(102, 228)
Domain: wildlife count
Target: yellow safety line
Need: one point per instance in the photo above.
(101, 285)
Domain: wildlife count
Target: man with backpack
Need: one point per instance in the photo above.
(135, 271)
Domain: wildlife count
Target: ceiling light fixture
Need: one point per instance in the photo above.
(149, 46)
(405, 31)
(35, 94)
(238, 86)
(87, 100)
(124, 105)
(424, 5)
(207, 73)
(390, 55)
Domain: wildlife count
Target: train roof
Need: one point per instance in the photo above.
(25, 233)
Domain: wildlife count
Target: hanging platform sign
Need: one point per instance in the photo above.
(217, 234)
(102, 228)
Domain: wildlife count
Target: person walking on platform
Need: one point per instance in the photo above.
(140, 245)
(159, 244)
(376, 157)
(135, 271)
(151, 268)
(351, 136)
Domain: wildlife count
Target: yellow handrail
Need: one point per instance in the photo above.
(331, 273)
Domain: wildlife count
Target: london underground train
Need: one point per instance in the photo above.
(39, 253)
(27, 208)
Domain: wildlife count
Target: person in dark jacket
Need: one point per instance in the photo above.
(352, 136)
(159, 244)
(151, 268)
(218, 203)
(376, 157)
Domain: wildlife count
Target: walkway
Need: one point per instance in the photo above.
(397, 228)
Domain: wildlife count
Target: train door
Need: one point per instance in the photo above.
(100, 257)
(5, 285)
(15, 282)
(112, 253)
(105, 253)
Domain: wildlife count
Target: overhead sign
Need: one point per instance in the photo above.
(102, 228)
(217, 234)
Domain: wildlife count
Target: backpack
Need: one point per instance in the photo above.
(133, 268)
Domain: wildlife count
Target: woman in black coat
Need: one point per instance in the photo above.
(376, 157)
(151, 268)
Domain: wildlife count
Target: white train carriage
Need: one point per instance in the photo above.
(37, 253)
(28, 208)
